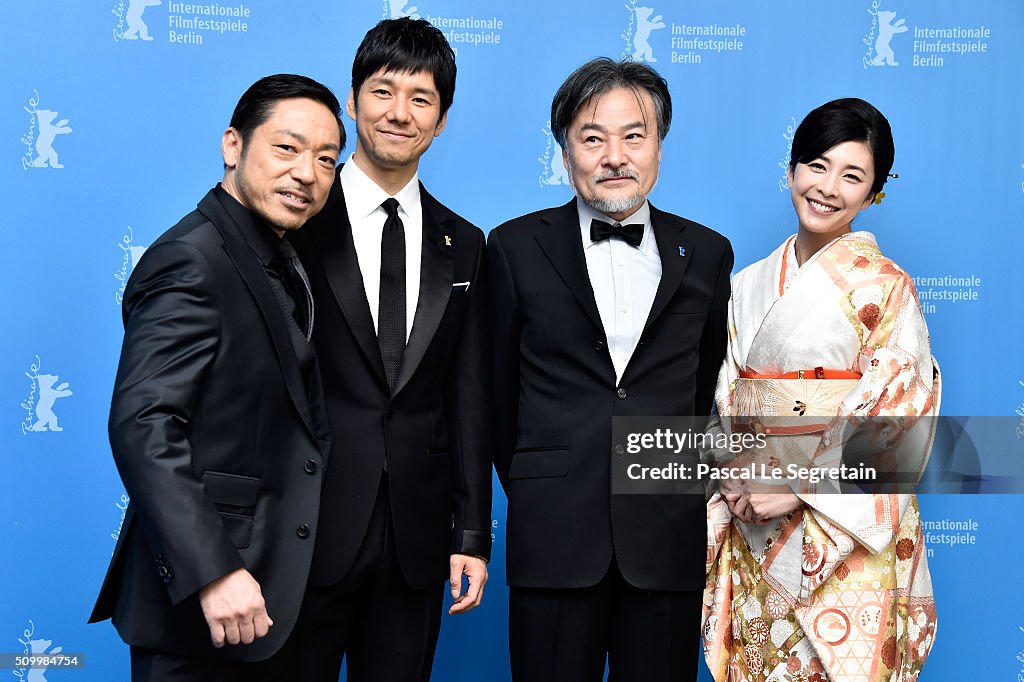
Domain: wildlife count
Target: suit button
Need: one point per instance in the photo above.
(303, 530)
(599, 346)
(164, 573)
(310, 466)
(621, 393)
(620, 449)
(389, 413)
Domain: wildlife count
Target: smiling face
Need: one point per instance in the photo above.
(828, 192)
(284, 171)
(613, 151)
(397, 115)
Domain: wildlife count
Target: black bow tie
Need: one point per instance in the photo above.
(631, 234)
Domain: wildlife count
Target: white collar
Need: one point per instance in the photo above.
(365, 196)
(640, 215)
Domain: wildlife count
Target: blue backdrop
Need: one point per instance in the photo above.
(110, 126)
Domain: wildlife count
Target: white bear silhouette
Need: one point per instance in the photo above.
(48, 131)
(47, 419)
(136, 254)
(397, 9)
(559, 175)
(886, 30)
(40, 646)
(133, 18)
(645, 24)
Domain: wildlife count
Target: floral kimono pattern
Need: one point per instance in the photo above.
(838, 589)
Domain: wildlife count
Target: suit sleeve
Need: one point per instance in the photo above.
(172, 333)
(470, 390)
(715, 337)
(506, 329)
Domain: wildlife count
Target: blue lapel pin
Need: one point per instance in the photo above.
(682, 251)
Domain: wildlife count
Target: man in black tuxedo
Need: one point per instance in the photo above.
(401, 336)
(217, 423)
(602, 307)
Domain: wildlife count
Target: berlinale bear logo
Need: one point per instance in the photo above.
(395, 9)
(48, 394)
(645, 25)
(887, 28)
(46, 155)
(136, 27)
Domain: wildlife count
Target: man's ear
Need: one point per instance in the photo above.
(231, 147)
(789, 177)
(441, 123)
(350, 104)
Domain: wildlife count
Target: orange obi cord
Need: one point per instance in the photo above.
(816, 373)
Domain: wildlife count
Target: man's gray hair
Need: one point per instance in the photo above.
(599, 76)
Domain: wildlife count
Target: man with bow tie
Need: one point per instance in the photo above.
(603, 307)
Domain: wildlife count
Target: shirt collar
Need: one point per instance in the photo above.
(364, 196)
(256, 232)
(641, 215)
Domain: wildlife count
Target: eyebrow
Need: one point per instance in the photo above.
(384, 80)
(849, 167)
(602, 129)
(302, 138)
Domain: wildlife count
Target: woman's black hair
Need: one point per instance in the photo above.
(845, 120)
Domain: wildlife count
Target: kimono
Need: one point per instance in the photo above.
(838, 589)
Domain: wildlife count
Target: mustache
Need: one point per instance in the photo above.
(617, 173)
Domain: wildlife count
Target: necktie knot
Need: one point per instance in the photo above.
(285, 251)
(390, 207)
(631, 234)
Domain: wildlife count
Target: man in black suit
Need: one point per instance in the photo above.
(217, 423)
(605, 306)
(401, 337)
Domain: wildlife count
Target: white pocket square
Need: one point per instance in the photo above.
(461, 284)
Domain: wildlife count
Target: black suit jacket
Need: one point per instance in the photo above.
(219, 440)
(555, 396)
(434, 429)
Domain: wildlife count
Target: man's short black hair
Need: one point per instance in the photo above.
(599, 76)
(257, 103)
(407, 45)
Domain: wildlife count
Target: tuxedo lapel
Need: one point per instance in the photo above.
(337, 252)
(437, 274)
(563, 245)
(255, 279)
(675, 251)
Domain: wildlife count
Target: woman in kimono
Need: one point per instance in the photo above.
(804, 585)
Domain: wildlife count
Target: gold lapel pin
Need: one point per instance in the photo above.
(447, 240)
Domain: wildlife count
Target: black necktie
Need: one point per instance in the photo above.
(631, 234)
(296, 283)
(391, 309)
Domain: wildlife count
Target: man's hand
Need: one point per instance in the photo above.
(475, 570)
(234, 609)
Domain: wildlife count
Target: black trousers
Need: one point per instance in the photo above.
(386, 630)
(566, 635)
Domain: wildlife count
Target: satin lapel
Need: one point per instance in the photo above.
(255, 279)
(675, 251)
(341, 267)
(562, 243)
(437, 274)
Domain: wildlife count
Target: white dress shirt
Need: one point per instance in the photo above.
(624, 278)
(363, 199)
